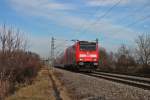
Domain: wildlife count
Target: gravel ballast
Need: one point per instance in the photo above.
(83, 87)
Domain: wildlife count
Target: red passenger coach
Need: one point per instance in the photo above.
(83, 55)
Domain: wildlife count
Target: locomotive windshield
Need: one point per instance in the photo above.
(88, 46)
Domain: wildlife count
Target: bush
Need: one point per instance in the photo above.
(19, 67)
(16, 65)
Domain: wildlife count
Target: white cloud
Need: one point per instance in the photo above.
(106, 2)
(43, 7)
(57, 6)
(40, 5)
(46, 9)
(40, 45)
(112, 2)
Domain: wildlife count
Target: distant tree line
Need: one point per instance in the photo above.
(16, 64)
(128, 60)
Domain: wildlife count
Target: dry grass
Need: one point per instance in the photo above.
(64, 93)
(41, 89)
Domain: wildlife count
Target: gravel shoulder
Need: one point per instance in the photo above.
(83, 87)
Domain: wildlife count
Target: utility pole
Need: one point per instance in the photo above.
(52, 51)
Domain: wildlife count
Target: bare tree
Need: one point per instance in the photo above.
(125, 59)
(16, 64)
(122, 55)
(103, 56)
(11, 40)
(123, 50)
(3, 38)
(143, 49)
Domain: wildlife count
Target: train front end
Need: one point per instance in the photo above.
(87, 55)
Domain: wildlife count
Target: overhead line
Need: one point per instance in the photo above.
(140, 20)
(98, 8)
(137, 10)
(106, 13)
(109, 10)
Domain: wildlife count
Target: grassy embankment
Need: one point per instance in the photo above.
(41, 89)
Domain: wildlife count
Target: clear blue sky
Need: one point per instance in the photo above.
(77, 19)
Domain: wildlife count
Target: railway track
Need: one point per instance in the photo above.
(140, 82)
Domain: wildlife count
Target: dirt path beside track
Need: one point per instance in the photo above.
(59, 89)
(45, 87)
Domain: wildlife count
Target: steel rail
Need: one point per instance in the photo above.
(139, 82)
(127, 77)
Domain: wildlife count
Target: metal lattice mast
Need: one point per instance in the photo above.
(52, 52)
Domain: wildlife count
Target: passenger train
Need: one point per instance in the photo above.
(82, 56)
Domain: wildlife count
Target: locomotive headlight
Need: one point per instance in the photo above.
(81, 59)
(94, 59)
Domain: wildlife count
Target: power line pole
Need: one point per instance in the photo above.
(52, 51)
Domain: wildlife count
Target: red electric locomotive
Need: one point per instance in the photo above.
(83, 55)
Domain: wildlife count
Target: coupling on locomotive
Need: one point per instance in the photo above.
(82, 55)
